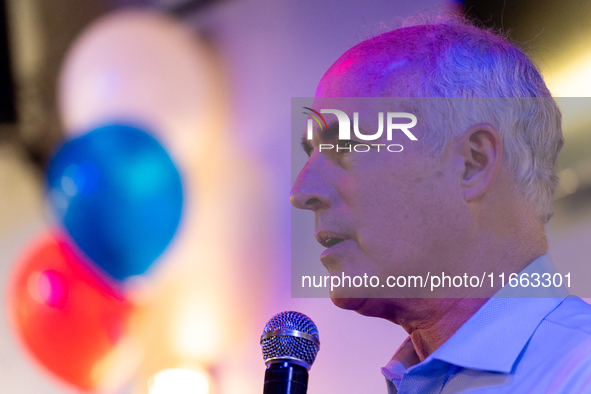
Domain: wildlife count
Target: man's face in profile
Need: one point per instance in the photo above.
(378, 212)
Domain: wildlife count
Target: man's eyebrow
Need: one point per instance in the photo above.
(306, 145)
(331, 133)
(325, 135)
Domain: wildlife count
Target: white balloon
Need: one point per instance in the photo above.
(140, 67)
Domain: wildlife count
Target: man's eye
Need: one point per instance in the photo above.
(346, 146)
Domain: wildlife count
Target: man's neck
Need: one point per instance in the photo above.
(440, 318)
(430, 322)
(428, 335)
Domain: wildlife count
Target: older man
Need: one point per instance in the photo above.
(471, 195)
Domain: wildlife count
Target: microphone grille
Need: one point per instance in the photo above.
(290, 336)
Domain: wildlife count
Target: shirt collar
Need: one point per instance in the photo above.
(404, 358)
(495, 335)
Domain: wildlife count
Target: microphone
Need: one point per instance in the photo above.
(290, 344)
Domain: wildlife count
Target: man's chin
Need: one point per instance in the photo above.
(352, 304)
(367, 306)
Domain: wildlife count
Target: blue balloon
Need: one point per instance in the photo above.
(119, 196)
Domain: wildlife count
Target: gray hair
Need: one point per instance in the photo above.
(504, 89)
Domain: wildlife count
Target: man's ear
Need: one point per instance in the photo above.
(481, 150)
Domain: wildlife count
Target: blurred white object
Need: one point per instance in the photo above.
(144, 68)
(179, 381)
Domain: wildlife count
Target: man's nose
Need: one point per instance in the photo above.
(312, 189)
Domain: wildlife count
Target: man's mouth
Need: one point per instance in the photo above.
(329, 239)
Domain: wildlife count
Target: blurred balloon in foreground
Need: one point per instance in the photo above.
(66, 316)
(140, 66)
(119, 196)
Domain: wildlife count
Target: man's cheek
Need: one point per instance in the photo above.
(364, 190)
(350, 184)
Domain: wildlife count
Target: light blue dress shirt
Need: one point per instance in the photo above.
(510, 345)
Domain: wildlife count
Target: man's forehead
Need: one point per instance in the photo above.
(362, 115)
(367, 108)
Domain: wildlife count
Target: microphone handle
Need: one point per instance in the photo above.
(285, 378)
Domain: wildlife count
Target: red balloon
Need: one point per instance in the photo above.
(64, 313)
